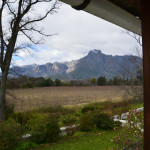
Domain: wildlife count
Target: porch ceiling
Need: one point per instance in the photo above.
(131, 6)
(124, 13)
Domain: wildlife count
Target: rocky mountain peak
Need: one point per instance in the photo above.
(95, 51)
(94, 64)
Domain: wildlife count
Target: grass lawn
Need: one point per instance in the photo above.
(138, 105)
(93, 141)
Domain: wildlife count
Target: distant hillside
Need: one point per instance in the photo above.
(95, 64)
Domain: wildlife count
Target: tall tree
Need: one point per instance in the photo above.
(19, 18)
(101, 81)
(93, 81)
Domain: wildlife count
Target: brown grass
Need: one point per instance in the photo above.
(27, 99)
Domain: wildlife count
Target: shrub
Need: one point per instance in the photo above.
(103, 121)
(44, 129)
(10, 135)
(121, 107)
(22, 118)
(86, 122)
(9, 110)
(117, 123)
(78, 113)
(69, 119)
(71, 130)
(87, 108)
(57, 110)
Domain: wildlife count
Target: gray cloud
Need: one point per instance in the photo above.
(78, 33)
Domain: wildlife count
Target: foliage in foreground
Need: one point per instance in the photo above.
(86, 122)
(69, 119)
(27, 145)
(132, 135)
(42, 123)
(92, 141)
(10, 135)
(96, 119)
(44, 129)
(87, 108)
(103, 121)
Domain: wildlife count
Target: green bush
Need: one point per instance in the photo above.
(87, 108)
(103, 121)
(86, 122)
(78, 113)
(10, 135)
(22, 118)
(117, 123)
(69, 119)
(44, 129)
(9, 111)
(57, 110)
(70, 131)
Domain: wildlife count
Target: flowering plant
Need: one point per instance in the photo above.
(132, 134)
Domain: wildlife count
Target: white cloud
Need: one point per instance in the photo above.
(78, 33)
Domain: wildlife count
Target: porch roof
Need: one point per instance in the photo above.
(131, 6)
(124, 13)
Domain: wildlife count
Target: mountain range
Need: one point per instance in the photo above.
(94, 64)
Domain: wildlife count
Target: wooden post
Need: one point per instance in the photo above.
(146, 68)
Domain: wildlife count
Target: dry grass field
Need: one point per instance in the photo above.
(27, 99)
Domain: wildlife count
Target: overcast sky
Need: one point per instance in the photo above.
(78, 33)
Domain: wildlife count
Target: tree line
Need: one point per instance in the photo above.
(30, 82)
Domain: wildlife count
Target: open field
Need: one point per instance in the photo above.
(27, 99)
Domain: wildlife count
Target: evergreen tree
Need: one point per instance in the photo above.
(58, 82)
(101, 81)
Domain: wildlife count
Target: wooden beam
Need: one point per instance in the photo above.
(146, 68)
